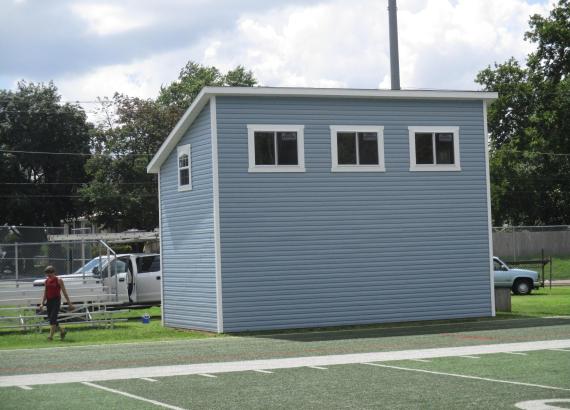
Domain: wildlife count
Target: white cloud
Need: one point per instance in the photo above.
(339, 43)
(104, 19)
(142, 78)
(443, 43)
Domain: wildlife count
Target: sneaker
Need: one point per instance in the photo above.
(63, 333)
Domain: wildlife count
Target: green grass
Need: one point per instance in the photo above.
(543, 302)
(560, 268)
(84, 334)
(354, 386)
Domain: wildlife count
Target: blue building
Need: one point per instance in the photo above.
(296, 207)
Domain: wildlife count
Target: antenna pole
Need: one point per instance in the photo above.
(394, 56)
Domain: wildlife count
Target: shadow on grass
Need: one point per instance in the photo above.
(505, 322)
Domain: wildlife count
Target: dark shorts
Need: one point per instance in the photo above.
(52, 306)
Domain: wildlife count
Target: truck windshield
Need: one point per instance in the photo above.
(88, 267)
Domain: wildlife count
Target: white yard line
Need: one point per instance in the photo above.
(25, 387)
(468, 377)
(518, 353)
(420, 360)
(286, 363)
(148, 379)
(560, 350)
(132, 396)
(262, 371)
(317, 367)
(469, 357)
(207, 375)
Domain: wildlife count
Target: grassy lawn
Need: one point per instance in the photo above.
(543, 302)
(133, 330)
(560, 268)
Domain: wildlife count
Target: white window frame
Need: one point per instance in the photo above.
(434, 167)
(336, 167)
(184, 150)
(299, 129)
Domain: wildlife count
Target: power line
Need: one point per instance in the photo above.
(73, 183)
(24, 196)
(538, 153)
(142, 155)
(9, 151)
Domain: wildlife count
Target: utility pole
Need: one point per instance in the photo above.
(394, 56)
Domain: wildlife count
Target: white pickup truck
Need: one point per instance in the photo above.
(521, 281)
(144, 268)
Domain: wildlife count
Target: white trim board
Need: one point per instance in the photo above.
(270, 364)
(160, 251)
(216, 211)
(489, 218)
(208, 92)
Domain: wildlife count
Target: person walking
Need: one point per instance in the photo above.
(54, 286)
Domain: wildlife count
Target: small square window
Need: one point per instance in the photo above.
(434, 149)
(276, 148)
(184, 168)
(357, 148)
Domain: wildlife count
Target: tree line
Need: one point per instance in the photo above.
(100, 169)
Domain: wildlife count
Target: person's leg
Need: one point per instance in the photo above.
(52, 311)
(52, 329)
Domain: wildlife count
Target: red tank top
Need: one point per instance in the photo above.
(52, 288)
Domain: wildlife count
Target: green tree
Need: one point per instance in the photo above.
(529, 126)
(120, 192)
(35, 188)
(193, 77)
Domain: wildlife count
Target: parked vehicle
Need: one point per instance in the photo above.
(145, 270)
(521, 281)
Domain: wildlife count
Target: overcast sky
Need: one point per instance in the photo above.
(93, 48)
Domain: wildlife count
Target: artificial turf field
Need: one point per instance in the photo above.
(498, 380)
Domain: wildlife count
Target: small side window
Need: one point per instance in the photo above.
(184, 168)
(434, 149)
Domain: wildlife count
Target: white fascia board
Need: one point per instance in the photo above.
(351, 93)
(207, 92)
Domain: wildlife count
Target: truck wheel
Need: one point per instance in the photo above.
(522, 287)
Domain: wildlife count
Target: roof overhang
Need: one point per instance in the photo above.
(204, 97)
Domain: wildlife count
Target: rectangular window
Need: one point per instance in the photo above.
(184, 168)
(357, 148)
(434, 149)
(276, 148)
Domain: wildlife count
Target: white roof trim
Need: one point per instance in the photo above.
(207, 92)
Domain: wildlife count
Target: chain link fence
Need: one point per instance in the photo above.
(27, 261)
(25, 251)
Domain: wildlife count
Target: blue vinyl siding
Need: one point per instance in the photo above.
(321, 248)
(187, 235)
